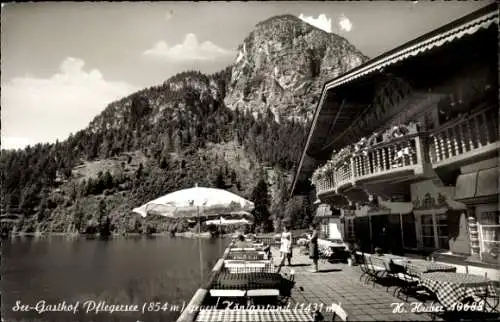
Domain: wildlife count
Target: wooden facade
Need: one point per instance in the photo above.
(407, 144)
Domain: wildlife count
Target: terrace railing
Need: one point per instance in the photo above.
(326, 184)
(385, 159)
(403, 154)
(343, 174)
(469, 136)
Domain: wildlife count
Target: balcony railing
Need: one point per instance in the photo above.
(385, 159)
(465, 138)
(326, 184)
(343, 174)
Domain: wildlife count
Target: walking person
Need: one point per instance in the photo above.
(286, 247)
(313, 247)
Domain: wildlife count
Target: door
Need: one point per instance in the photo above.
(380, 231)
(362, 232)
(409, 232)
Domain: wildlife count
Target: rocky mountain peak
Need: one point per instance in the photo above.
(282, 65)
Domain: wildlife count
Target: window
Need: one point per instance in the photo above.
(442, 231)
(350, 229)
(489, 225)
(427, 231)
(434, 230)
(324, 229)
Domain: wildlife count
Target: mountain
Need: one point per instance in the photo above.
(229, 130)
(283, 64)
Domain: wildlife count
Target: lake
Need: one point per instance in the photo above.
(93, 274)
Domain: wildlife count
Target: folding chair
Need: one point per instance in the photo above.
(288, 283)
(411, 286)
(365, 271)
(376, 268)
(492, 298)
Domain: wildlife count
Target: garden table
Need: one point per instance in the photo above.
(247, 281)
(251, 284)
(254, 315)
(246, 249)
(239, 266)
(453, 288)
(246, 255)
(417, 267)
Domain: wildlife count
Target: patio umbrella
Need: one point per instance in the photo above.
(196, 202)
(193, 203)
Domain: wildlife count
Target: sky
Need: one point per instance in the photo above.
(62, 63)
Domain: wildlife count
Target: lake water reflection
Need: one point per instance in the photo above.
(121, 271)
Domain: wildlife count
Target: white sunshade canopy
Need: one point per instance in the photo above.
(194, 202)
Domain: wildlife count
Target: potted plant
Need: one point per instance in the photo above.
(352, 248)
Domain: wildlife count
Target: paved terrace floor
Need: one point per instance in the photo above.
(338, 282)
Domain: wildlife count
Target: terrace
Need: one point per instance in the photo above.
(382, 287)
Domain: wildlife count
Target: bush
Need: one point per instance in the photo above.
(150, 230)
(91, 230)
(212, 229)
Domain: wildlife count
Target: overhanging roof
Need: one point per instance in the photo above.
(468, 25)
(434, 39)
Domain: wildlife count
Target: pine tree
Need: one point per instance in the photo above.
(78, 217)
(163, 163)
(233, 176)
(101, 211)
(107, 180)
(219, 180)
(139, 171)
(260, 197)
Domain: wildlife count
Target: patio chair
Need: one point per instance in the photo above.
(365, 270)
(492, 299)
(288, 282)
(376, 269)
(325, 254)
(339, 312)
(372, 272)
(410, 286)
(382, 273)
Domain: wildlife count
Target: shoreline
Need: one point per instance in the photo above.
(165, 234)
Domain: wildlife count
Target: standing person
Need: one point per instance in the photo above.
(313, 247)
(286, 247)
(290, 253)
(383, 239)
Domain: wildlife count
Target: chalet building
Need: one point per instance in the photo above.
(403, 149)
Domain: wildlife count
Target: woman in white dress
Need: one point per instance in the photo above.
(286, 247)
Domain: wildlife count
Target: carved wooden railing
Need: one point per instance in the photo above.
(338, 178)
(343, 173)
(403, 153)
(384, 159)
(464, 137)
(326, 184)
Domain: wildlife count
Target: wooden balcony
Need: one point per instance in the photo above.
(341, 178)
(326, 185)
(398, 160)
(343, 175)
(466, 140)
